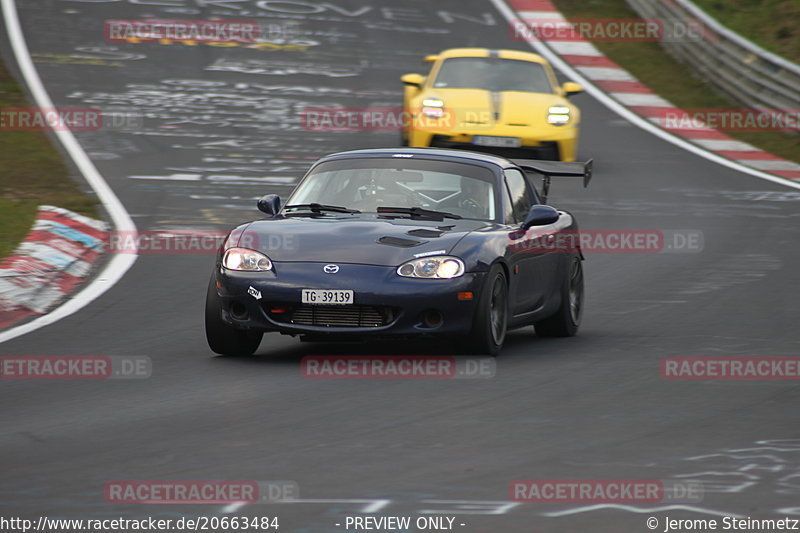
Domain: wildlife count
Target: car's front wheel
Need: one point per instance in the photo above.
(222, 338)
(491, 318)
(567, 319)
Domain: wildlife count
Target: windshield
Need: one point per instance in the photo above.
(366, 184)
(493, 74)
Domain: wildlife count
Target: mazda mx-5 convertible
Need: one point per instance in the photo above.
(406, 242)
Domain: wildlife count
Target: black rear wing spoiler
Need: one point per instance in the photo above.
(558, 169)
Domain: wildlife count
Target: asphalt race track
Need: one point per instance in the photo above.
(222, 127)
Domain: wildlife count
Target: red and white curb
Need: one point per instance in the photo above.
(621, 86)
(54, 259)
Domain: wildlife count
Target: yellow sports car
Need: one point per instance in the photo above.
(500, 101)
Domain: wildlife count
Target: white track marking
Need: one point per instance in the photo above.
(577, 48)
(604, 74)
(171, 177)
(770, 164)
(550, 16)
(645, 99)
(629, 115)
(724, 144)
(372, 506)
(120, 263)
(639, 510)
(376, 506)
(472, 507)
(232, 508)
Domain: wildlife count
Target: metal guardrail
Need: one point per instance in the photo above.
(744, 71)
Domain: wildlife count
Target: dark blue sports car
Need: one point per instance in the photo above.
(400, 243)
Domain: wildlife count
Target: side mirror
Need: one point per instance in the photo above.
(414, 80)
(570, 88)
(269, 204)
(540, 215)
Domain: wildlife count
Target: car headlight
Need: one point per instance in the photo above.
(433, 108)
(558, 115)
(245, 259)
(437, 267)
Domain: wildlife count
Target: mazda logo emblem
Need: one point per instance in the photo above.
(331, 269)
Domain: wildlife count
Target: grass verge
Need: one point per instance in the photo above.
(771, 24)
(652, 66)
(32, 173)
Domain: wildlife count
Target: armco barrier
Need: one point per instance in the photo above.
(741, 69)
(623, 89)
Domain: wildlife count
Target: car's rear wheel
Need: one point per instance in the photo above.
(223, 338)
(567, 320)
(491, 318)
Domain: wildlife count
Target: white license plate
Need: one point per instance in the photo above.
(502, 142)
(327, 297)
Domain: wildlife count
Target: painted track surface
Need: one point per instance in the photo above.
(586, 408)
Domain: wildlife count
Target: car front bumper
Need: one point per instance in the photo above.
(554, 143)
(384, 303)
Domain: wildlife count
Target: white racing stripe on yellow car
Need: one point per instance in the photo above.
(497, 101)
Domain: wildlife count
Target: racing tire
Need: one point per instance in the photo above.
(566, 321)
(223, 338)
(491, 318)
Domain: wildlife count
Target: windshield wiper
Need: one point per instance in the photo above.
(319, 208)
(418, 212)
